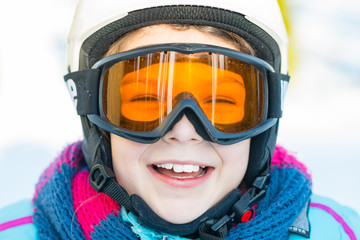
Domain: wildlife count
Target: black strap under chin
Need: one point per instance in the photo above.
(150, 219)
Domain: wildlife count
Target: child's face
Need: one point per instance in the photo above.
(178, 197)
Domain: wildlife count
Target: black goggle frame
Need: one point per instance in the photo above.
(86, 88)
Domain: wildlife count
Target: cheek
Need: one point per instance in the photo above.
(124, 150)
(126, 156)
(234, 159)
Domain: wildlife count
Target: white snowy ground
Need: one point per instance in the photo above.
(321, 122)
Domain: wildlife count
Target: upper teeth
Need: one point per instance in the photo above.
(180, 168)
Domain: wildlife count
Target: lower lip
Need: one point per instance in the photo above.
(181, 183)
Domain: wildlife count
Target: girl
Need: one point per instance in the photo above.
(180, 105)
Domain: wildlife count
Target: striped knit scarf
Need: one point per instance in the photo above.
(67, 207)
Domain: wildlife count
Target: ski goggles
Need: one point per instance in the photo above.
(142, 93)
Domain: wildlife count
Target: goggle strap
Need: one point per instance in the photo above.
(277, 89)
(83, 87)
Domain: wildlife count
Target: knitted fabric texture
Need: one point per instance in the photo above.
(58, 202)
(289, 191)
(67, 207)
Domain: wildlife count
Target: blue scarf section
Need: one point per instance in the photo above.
(289, 191)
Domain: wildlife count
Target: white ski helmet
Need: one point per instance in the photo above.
(95, 20)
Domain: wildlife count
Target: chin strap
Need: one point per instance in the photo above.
(208, 225)
(241, 212)
(102, 179)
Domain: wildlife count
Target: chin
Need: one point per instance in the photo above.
(179, 217)
(179, 212)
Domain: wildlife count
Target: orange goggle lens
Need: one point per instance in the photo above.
(139, 93)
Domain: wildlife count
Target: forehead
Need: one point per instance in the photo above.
(160, 34)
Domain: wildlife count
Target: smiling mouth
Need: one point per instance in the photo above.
(180, 171)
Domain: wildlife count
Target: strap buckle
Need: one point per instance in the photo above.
(261, 182)
(212, 229)
(218, 227)
(99, 176)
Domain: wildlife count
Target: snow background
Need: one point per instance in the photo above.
(321, 122)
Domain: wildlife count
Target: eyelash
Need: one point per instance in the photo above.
(220, 100)
(145, 98)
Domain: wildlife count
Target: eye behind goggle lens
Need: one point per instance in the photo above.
(140, 92)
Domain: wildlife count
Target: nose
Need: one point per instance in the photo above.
(183, 131)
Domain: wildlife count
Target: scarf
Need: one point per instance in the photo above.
(67, 207)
